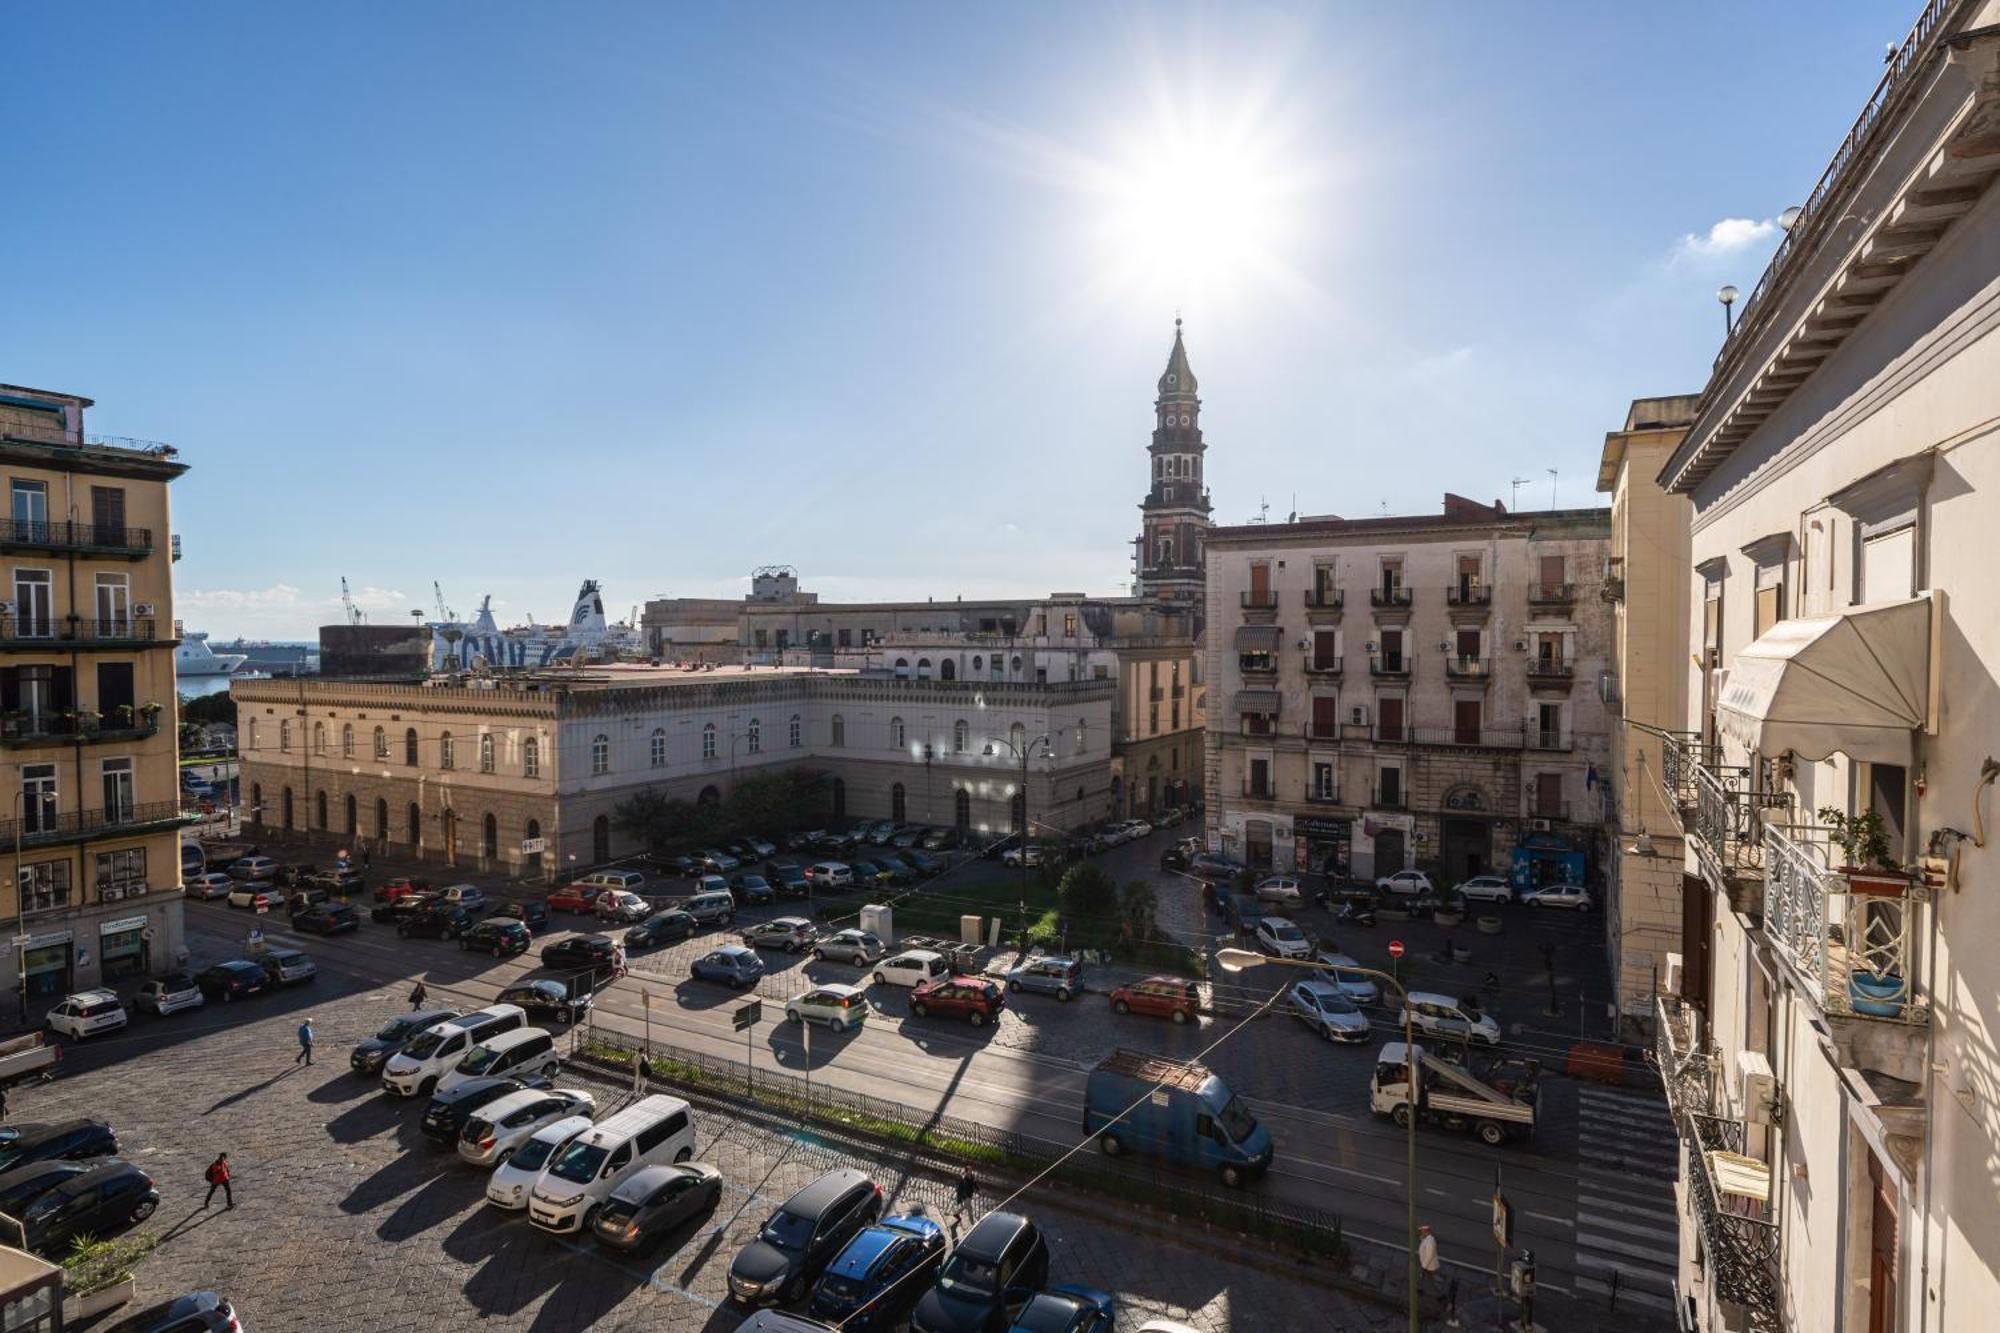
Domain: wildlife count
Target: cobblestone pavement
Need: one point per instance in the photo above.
(347, 1219)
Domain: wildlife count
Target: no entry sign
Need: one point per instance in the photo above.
(1395, 948)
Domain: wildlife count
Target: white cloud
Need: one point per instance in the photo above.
(276, 611)
(1727, 237)
(279, 596)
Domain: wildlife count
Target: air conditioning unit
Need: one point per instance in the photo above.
(144, 609)
(1607, 688)
(111, 893)
(1358, 715)
(1540, 825)
(6, 608)
(1676, 969)
(1373, 646)
(1757, 1088)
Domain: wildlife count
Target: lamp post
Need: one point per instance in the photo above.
(1022, 752)
(1238, 960)
(1727, 295)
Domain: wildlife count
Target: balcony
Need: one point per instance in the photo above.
(1388, 666)
(1322, 731)
(49, 828)
(1681, 753)
(24, 732)
(1469, 595)
(1260, 667)
(1546, 673)
(1392, 800)
(1551, 594)
(1322, 666)
(48, 633)
(1739, 1249)
(1389, 597)
(1322, 796)
(1728, 833)
(1253, 791)
(1855, 942)
(1548, 740)
(1477, 670)
(1549, 812)
(1613, 588)
(1485, 738)
(1260, 607)
(75, 538)
(1324, 604)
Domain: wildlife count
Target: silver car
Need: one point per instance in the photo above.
(1321, 1007)
(492, 1134)
(1486, 889)
(850, 946)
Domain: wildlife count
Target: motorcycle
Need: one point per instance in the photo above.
(1355, 914)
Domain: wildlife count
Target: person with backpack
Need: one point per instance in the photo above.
(218, 1179)
(305, 1043)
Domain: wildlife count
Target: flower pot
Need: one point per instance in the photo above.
(1875, 882)
(104, 1298)
(1489, 925)
(1447, 917)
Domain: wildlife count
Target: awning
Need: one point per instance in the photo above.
(1259, 638)
(1857, 683)
(1257, 701)
(1739, 1177)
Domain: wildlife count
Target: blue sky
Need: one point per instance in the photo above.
(511, 295)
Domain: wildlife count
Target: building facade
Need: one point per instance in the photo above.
(1394, 692)
(87, 704)
(524, 772)
(1828, 1041)
(1174, 516)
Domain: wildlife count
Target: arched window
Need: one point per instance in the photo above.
(895, 733)
(959, 732)
(902, 665)
(1018, 736)
(447, 752)
(485, 752)
(709, 798)
(531, 758)
(755, 741)
(410, 747)
(489, 837)
(600, 754)
(256, 802)
(381, 743)
(288, 807)
(534, 830)
(352, 824)
(285, 736)
(1081, 744)
(319, 810)
(708, 741)
(978, 662)
(923, 668)
(795, 732)
(898, 804)
(416, 826)
(839, 731)
(1017, 664)
(839, 798)
(961, 809)
(253, 733)
(381, 819)
(947, 669)
(347, 740)
(659, 747)
(319, 738)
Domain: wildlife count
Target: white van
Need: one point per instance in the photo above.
(653, 1131)
(912, 967)
(415, 1070)
(629, 881)
(520, 1053)
(1442, 1016)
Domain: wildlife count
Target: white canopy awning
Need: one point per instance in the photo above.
(1857, 683)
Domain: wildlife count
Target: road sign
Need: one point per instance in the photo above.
(263, 908)
(1395, 948)
(746, 1016)
(530, 846)
(1503, 1220)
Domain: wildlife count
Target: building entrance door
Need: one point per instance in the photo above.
(1468, 848)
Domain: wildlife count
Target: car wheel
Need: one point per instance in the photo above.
(1180, 1016)
(403, 932)
(683, 1155)
(227, 997)
(1491, 1133)
(1062, 996)
(498, 952)
(1120, 1007)
(1401, 1115)
(881, 980)
(501, 1159)
(819, 955)
(427, 1087)
(797, 1018)
(1110, 1144)
(145, 1209)
(1014, 987)
(920, 1009)
(976, 1018)
(1232, 1175)
(838, 1025)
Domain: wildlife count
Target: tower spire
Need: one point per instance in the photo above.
(1175, 512)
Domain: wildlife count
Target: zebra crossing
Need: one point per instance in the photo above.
(1627, 1158)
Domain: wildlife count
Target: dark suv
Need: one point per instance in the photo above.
(802, 1237)
(66, 1140)
(995, 1270)
(437, 922)
(110, 1196)
(577, 951)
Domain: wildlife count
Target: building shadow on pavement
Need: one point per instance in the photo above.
(366, 1119)
(413, 1169)
(519, 1265)
(251, 1091)
(444, 1196)
(345, 1087)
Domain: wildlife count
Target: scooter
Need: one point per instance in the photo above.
(1355, 914)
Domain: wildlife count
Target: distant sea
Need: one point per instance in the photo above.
(194, 687)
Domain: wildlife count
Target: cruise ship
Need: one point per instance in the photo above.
(193, 657)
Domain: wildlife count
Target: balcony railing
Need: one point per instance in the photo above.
(1322, 731)
(1322, 666)
(1392, 800)
(1741, 1251)
(1681, 752)
(1551, 669)
(1468, 668)
(71, 825)
(1266, 600)
(1857, 952)
(1255, 792)
(1322, 796)
(1325, 599)
(25, 731)
(64, 535)
(33, 632)
(1551, 594)
(1261, 665)
(1613, 589)
(1389, 596)
(1468, 592)
(1491, 738)
(1728, 830)
(1388, 665)
(1549, 810)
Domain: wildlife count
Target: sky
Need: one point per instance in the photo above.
(504, 296)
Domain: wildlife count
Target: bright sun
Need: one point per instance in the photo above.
(1195, 217)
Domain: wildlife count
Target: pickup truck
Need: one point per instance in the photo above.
(27, 1057)
(1497, 1102)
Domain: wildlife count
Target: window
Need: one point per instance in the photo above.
(489, 838)
(284, 736)
(923, 668)
(895, 733)
(795, 732)
(658, 751)
(410, 750)
(708, 741)
(1017, 736)
(34, 603)
(347, 740)
(1466, 721)
(114, 605)
(31, 509)
(1326, 786)
(531, 758)
(754, 738)
(1390, 790)
(381, 743)
(319, 738)
(898, 804)
(485, 752)
(1069, 624)
(253, 733)
(319, 810)
(381, 819)
(1549, 796)
(1083, 740)
(118, 798)
(959, 732)
(600, 754)
(415, 817)
(45, 884)
(839, 731)
(1258, 783)
(447, 752)
(123, 871)
(1392, 578)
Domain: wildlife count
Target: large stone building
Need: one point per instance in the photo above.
(1408, 691)
(480, 770)
(1174, 516)
(87, 702)
(1830, 1042)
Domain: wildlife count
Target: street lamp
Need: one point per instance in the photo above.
(1237, 960)
(1727, 295)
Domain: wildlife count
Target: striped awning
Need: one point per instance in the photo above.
(1257, 701)
(1259, 638)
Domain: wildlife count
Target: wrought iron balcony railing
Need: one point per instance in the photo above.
(47, 826)
(1546, 669)
(1388, 665)
(1468, 592)
(1389, 596)
(1551, 594)
(1728, 829)
(1260, 599)
(1322, 666)
(1325, 599)
(1855, 943)
(1468, 668)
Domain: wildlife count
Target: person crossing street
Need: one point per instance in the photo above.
(218, 1179)
(305, 1055)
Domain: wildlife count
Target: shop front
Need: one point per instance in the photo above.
(1324, 844)
(47, 963)
(1385, 844)
(124, 948)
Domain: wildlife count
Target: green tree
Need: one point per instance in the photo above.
(1088, 895)
(656, 819)
(1138, 919)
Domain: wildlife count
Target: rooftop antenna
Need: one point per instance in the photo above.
(1552, 488)
(1517, 484)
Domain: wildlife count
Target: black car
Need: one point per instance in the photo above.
(109, 1197)
(369, 1057)
(530, 913)
(655, 930)
(437, 923)
(401, 909)
(577, 952)
(971, 1295)
(802, 1237)
(686, 867)
(788, 877)
(920, 861)
(653, 1202)
(884, 1270)
(300, 900)
(751, 888)
(196, 1312)
(341, 883)
(232, 980)
(498, 936)
(66, 1140)
(546, 997)
(30, 1181)
(327, 919)
(448, 1111)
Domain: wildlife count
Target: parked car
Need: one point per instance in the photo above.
(653, 1131)
(511, 1180)
(940, 840)
(975, 999)
(1572, 896)
(533, 915)
(1439, 1015)
(340, 883)
(654, 1203)
(579, 951)
(288, 967)
(912, 967)
(368, 1057)
(469, 896)
(1277, 936)
(399, 887)
(659, 929)
(573, 898)
(718, 862)
(400, 909)
(990, 1276)
(499, 936)
(258, 894)
(1339, 970)
(1029, 854)
(547, 997)
(1214, 868)
(20, 1186)
(922, 862)
(823, 875)
(210, 885)
(495, 1131)
(196, 1312)
(849, 946)
(327, 919)
(65, 1140)
(788, 877)
(1280, 889)
(1051, 974)
(1486, 889)
(790, 933)
(872, 1283)
(253, 868)
(731, 965)
(232, 980)
(683, 867)
(445, 1117)
(170, 994)
(839, 1007)
(1325, 1008)
(716, 906)
(802, 1237)
(1159, 997)
(1068, 1308)
(1180, 854)
(870, 873)
(624, 881)
(87, 1013)
(437, 922)
(298, 900)
(1405, 883)
(109, 1197)
(620, 905)
(750, 887)
(424, 1059)
(760, 846)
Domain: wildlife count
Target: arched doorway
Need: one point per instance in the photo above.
(1390, 851)
(451, 837)
(947, 669)
(1117, 795)
(898, 803)
(489, 837)
(353, 825)
(381, 820)
(319, 810)
(710, 798)
(961, 809)
(839, 798)
(600, 837)
(416, 817)
(288, 807)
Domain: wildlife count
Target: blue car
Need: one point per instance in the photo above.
(879, 1276)
(1067, 1309)
(731, 965)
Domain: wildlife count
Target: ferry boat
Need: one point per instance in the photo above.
(193, 657)
(587, 637)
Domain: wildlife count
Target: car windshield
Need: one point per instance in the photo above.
(578, 1163)
(1337, 1004)
(974, 1277)
(478, 1060)
(1237, 1120)
(788, 1231)
(396, 1029)
(533, 1155)
(425, 1044)
(1288, 932)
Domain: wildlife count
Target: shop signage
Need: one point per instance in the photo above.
(1319, 826)
(123, 923)
(43, 941)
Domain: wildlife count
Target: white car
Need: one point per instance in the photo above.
(912, 968)
(839, 1007)
(1321, 1006)
(494, 1132)
(1573, 896)
(210, 886)
(254, 892)
(1019, 855)
(1486, 889)
(88, 1013)
(830, 875)
(1137, 828)
(510, 1182)
(168, 994)
(1280, 889)
(1281, 939)
(1337, 969)
(1405, 882)
(254, 867)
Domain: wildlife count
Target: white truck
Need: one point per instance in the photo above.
(1499, 1102)
(27, 1057)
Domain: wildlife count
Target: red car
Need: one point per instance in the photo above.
(1159, 997)
(399, 888)
(975, 999)
(574, 898)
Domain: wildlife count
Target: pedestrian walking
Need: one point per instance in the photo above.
(417, 996)
(3, 1103)
(364, 856)
(1427, 1255)
(218, 1179)
(618, 960)
(968, 1186)
(305, 1055)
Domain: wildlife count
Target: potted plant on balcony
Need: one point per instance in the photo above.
(151, 712)
(1864, 847)
(14, 722)
(125, 712)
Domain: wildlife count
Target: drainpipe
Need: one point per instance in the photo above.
(1931, 1090)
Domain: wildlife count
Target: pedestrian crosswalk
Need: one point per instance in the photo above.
(1626, 1231)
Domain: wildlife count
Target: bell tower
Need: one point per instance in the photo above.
(1175, 513)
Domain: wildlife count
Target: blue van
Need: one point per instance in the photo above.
(1135, 1102)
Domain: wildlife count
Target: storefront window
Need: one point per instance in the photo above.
(121, 945)
(44, 884)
